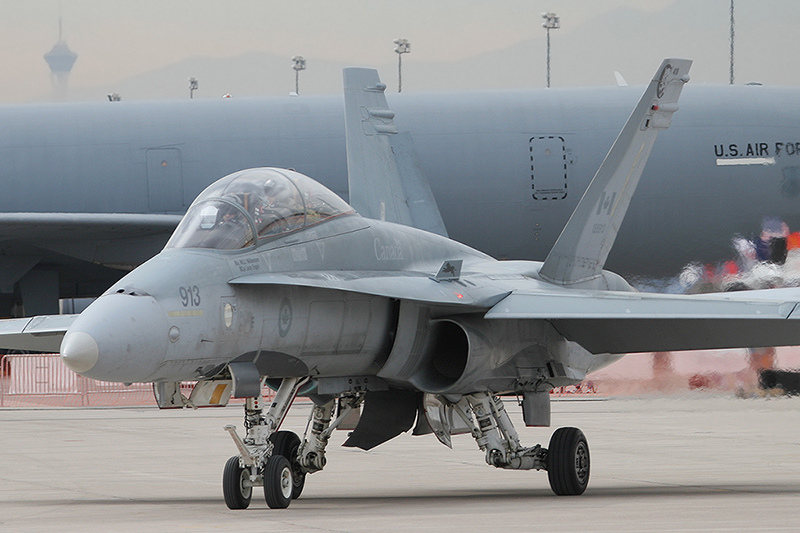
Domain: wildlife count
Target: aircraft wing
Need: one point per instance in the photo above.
(622, 322)
(41, 334)
(65, 226)
(401, 285)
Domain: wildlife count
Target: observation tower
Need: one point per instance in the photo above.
(60, 59)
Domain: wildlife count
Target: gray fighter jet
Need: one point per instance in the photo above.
(272, 277)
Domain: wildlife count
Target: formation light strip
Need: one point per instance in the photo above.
(746, 161)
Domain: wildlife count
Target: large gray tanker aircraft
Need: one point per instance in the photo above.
(92, 190)
(271, 277)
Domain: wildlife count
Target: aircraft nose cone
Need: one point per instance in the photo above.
(120, 337)
(79, 351)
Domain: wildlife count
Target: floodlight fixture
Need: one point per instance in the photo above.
(402, 46)
(299, 64)
(192, 87)
(551, 22)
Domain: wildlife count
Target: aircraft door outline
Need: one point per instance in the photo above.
(164, 180)
(549, 159)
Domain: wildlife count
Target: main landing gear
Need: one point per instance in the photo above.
(568, 462)
(278, 460)
(566, 459)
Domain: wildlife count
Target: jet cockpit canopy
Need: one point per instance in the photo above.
(252, 205)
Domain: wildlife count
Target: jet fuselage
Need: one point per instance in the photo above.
(507, 169)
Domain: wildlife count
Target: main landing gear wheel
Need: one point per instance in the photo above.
(568, 462)
(236, 486)
(278, 482)
(286, 444)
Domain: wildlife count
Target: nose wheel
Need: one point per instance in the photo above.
(286, 444)
(236, 485)
(278, 482)
(282, 475)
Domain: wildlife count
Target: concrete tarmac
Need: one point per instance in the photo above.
(663, 464)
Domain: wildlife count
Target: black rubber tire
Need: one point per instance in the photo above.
(278, 482)
(568, 462)
(286, 444)
(236, 495)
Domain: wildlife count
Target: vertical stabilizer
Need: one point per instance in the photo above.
(383, 172)
(581, 250)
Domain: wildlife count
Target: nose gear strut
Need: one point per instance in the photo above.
(257, 464)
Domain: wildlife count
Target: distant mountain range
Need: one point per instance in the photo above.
(259, 74)
(629, 41)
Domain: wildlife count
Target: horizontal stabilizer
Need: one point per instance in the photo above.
(581, 250)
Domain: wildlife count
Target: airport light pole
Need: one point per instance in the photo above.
(402, 46)
(192, 87)
(732, 36)
(299, 64)
(551, 22)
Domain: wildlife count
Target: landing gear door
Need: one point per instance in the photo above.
(444, 420)
(550, 160)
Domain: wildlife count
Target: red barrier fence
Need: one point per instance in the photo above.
(32, 380)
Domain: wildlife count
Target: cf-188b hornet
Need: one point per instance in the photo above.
(272, 278)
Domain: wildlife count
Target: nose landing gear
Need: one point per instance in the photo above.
(286, 444)
(267, 457)
(278, 485)
(236, 485)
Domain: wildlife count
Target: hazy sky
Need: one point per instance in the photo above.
(121, 39)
